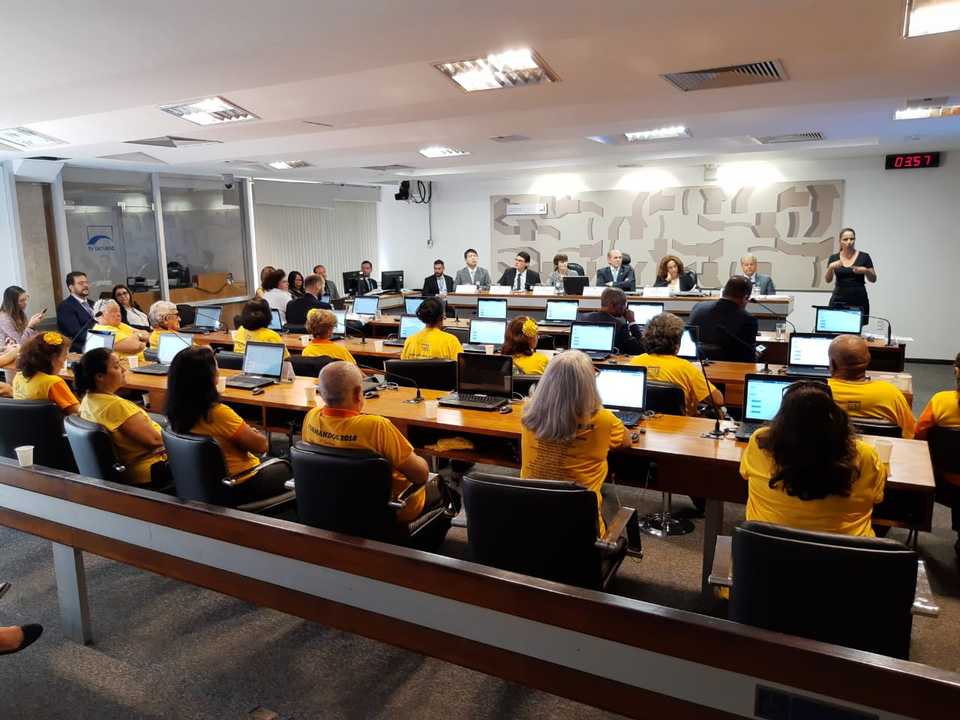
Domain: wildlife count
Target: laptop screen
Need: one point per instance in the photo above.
(487, 332)
(485, 374)
(562, 309)
(99, 340)
(275, 322)
(574, 284)
(411, 304)
(366, 305)
(622, 387)
(263, 359)
(591, 336)
(688, 345)
(838, 320)
(810, 350)
(644, 312)
(325, 299)
(208, 316)
(170, 344)
(341, 328)
(762, 397)
(491, 308)
(410, 324)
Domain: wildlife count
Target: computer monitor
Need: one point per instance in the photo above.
(411, 304)
(264, 359)
(592, 336)
(492, 308)
(562, 309)
(487, 331)
(574, 284)
(485, 375)
(99, 339)
(366, 305)
(809, 350)
(838, 321)
(208, 316)
(762, 395)
(688, 343)
(170, 344)
(325, 299)
(275, 322)
(623, 388)
(644, 312)
(410, 324)
(351, 279)
(391, 280)
(341, 328)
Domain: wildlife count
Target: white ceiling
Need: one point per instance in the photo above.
(93, 73)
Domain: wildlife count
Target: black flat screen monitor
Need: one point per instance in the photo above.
(485, 374)
(350, 280)
(391, 280)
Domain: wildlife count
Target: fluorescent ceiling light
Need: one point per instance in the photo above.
(930, 17)
(923, 113)
(439, 151)
(209, 111)
(288, 164)
(673, 131)
(510, 68)
(27, 139)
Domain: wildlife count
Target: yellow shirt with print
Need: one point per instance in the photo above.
(849, 515)
(874, 399)
(534, 364)
(431, 343)
(44, 387)
(582, 460)
(328, 348)
(676, 371)
(112, 411)
(223, 424)
(122, 332)
(262, 335)
(943, 410)
(335, 427)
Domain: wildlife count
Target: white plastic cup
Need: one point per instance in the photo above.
(310, 395)
(233, 335)
(304, 339)
(781, 331)
(884, 450)
(221, 384)
(430, 408)
(24, 455)
(488, 349)
(133, 361)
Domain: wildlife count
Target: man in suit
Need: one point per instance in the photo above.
(762, 284)
(520, 276)
(298, 308)
(616, 274)
(327, 287)
(472, 274)
(727, 330)
(439, 283)
(627, 336)
(366, 283)
(75, 313)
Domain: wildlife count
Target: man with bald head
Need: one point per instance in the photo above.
(339, 424)
(859, 395)
(616, 274)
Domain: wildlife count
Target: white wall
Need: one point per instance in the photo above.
(402, 231)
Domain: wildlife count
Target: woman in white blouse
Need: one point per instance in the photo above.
(130, 312)
(275, 292)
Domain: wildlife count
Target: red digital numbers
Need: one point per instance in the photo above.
(913, 160)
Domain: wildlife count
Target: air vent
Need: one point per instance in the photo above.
(172, 141)
(509, 138)
(730, 76)
(134, 157)
(51, 158)
(389, 168)
(789, 138)
(317, 123)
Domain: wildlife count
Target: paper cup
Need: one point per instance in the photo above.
(310, 395)
(221, 384)
(430, 408)
(488, 349)
(24, 455)
(233, 335)
(304, 339)
(133, 361)
(884, 449)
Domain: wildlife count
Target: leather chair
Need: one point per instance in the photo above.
(523, 383)
(350, 491)
(295, 329)
(544, 528)
(38, 423)
(427, 374)
(461, 334)
(577, 268)
(93, 449)
(229, 360)
(310, 366)
(944, 446)
(188, 314)
(870, 426)
(200, 473)
(852, 591)
(666, 399)
(546, 342)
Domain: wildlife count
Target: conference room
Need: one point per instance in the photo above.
(502, 360)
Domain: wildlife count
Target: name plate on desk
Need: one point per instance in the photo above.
(544, 290)
(500, 289)
(466, 290)
(593, 290)
(658, 292)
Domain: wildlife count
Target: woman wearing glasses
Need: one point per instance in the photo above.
(164, 318)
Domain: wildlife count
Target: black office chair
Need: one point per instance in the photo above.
(38, 423)
(236, 322)
(350, 491)
(310, 366)
(544, 528)
(427, 374)
(944, 446)
(666, 399)
(523, 383)
(188, 314)
(295, 329)
(93, 450)
(577, 268)
(852, 591)
(461, 334)
(546, 342)
(870, 426)
(625, 259)
(229, 360)
(200, 473)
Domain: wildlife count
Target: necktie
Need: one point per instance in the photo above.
(517, 285)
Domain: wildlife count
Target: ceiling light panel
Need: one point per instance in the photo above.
(439, 151)
(927, 112)
(27, 139)
(931, 17)
(663, 133)
(289, 164)
(510, 68)
(209, 111)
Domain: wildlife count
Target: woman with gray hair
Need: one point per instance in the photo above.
(164, 318)
(128, 341)
(566, 432)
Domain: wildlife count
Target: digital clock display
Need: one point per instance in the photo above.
(910, 161)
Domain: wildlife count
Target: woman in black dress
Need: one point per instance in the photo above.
(852, 269)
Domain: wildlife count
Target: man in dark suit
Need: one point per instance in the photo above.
(439, 283)
(520, 276)
(366, 283)
(627, 336)
(75, 313)
(727, 330)
(616, 274)
(298, 308)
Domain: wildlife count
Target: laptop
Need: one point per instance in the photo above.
(409, 324)
(838, 321)
(492, 308)
(762, 395)
(561, 312)
(366, 305)
(169, 345)
(574, 284)
(411, 304)
(688, 343)
(485, 332)
(262, 366)
(809, 355)
(644, 312)
(99, 339)
(623, 391)
(341, 328)
(206, 320)
(484, 382)
(593, 338)
(276, 323)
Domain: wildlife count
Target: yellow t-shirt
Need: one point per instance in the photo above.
(530, 364)
(845, 515)
(335, 427)
(263, 335)
(112, 411)
(328, 348)
(874, 399)
(431, 343)
(676, 371)
(122, 332)
(222, 424)
(942, 410)
(582, 460)
(44, 387)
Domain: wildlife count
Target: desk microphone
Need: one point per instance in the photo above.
(716, 433)
(757, 350)
(773, 312)
(416, 399)
(889, 328)
(348, 327)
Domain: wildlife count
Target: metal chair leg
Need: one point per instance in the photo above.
(663, 523)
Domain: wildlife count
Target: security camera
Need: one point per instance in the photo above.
(228, 180)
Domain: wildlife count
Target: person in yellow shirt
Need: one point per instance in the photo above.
(859, 395)
(809, 470)
(320, 324)
(128, 341)
(340, 424)
(41, 359)
(164, 318)
(254, 320)
(661, 338)
(136, 438)
(194, 407)
(566, 432)
(521, 343)
(432, 341)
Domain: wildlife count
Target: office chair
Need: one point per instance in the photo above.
(546, 342)
(523, 383)
(188, 314)
(871, 426)
(544, 528)
(38, 423)
(944, 446)
(427, 374)
(229, 360)
(577, 268)
(310, 366)
(350, 491)
(666, 399)
(461, 334)
(93, 450)
(236, 322)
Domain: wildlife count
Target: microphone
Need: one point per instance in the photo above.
(773, 312)
(716, 433)
(889, 328)
(363, 337)
(416, 399)
(757, 350)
